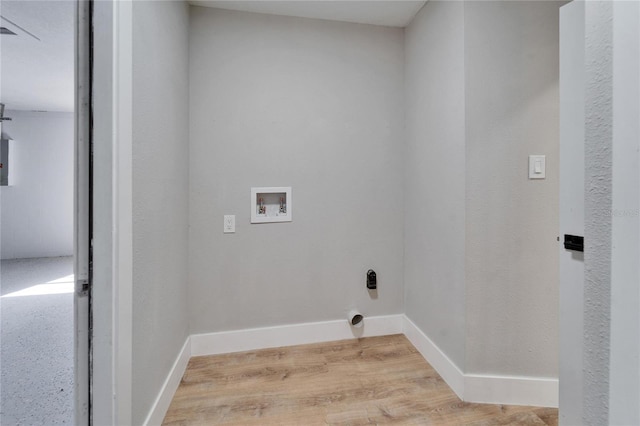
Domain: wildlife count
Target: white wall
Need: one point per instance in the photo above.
(37, 210)
(481, 266)
(160, 194)
(511, 79)
(434, 210)
(316, 105)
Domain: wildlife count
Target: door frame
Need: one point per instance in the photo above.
(82, 213)
(571, 283)
(112, 284)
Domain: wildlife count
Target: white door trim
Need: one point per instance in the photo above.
(123, 210)
(112, 218)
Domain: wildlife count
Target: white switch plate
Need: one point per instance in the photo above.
(229, 223)
(537, 167)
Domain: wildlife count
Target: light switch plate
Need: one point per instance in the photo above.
(229, 223)
(537, 167)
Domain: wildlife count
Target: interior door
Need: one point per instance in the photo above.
(572, 123)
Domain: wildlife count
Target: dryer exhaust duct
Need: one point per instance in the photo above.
(356, 319)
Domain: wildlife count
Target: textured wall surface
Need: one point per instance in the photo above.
(160, 194)
(311, 104)
(434, 251)
(597, 254)
(37, 210)
(511, 79)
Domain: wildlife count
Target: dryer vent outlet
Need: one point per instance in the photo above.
(355, 319)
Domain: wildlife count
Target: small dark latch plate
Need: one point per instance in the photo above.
(372, 282)
(573, 242)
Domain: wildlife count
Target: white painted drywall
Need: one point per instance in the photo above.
(385, 13)
(311, 104)
(481, 266)
(37, 210)
(38, 73)
(160, 194)
(434, 210)
(571, 278)
(511, 80)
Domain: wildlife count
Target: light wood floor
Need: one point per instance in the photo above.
(376, 380)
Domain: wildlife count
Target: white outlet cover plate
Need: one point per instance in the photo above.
(229, 223)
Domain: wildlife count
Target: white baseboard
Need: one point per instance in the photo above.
(510, 390)
(446, 368)
(289, 335)
(487, 389)
(169, 387)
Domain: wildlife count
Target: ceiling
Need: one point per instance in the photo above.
(37, 64)
(37, 74)
(392, 13)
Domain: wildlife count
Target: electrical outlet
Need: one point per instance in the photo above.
(229, 223)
